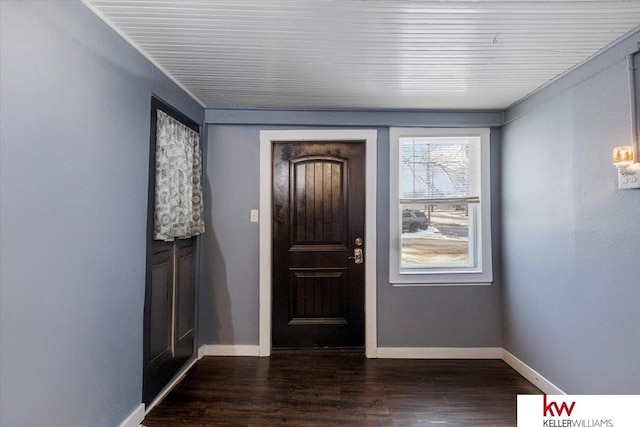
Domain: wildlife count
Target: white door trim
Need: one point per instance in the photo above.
(267, 138)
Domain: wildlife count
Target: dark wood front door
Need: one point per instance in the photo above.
(318, 224)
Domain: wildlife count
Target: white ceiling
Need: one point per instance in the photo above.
(359, 54)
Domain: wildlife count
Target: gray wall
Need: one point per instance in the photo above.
(435, 316)
(229, 305)
(75, 111)
(229, 295)
(571, 240)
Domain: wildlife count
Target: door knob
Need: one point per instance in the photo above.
(357, 256)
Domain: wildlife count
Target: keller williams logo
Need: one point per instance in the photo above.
(548, 408)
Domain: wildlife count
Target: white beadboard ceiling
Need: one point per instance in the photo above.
(359, 54)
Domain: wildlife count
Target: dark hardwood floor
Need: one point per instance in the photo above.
(342, 388)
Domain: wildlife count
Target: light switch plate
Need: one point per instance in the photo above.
(254, 215)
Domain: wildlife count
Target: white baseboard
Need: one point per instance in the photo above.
(171, 385)
(201, 351)
(518, 365)
(231, 350)
(440, 352)
(135, 418)
(530, 374)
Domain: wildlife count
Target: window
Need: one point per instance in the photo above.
(440, 231)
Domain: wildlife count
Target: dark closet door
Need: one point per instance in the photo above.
(170, 295)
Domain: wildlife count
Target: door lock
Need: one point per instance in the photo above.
(357, 256)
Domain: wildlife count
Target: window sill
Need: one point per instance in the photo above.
(450, 278)
(413, 285)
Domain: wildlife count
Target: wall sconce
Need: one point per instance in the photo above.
(625, 158)
(628, 169)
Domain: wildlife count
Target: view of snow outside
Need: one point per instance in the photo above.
(445, 241)
(435, 169)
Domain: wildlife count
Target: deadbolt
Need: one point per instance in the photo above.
(358, 241)
(357, 256)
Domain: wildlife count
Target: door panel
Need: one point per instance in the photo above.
(318, 201)
(160, 307)
(318, 212)
(185, 296)
(318, 296)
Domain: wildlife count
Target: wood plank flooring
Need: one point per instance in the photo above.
(342, 388)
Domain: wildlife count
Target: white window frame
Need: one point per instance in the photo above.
(479, 225)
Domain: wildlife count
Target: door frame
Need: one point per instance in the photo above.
(267, 138)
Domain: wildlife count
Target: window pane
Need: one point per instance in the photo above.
(439, 167)
(435, 235)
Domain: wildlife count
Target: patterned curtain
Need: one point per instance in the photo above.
(178, 207)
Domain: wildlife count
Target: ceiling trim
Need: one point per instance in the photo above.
(425, 118)
(140, 50)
